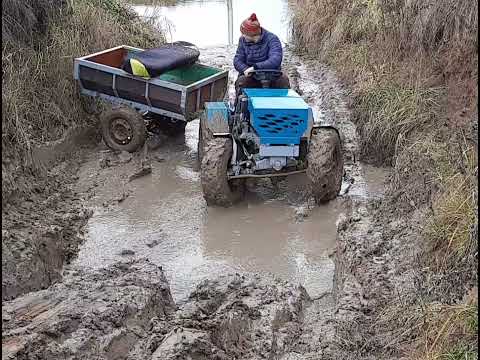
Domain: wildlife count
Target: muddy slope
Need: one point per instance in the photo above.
(88, 314)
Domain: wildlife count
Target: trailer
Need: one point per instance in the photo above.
(173, 98)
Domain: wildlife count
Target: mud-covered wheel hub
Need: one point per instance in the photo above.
(217, 189)
(121, 131)
(325, 164)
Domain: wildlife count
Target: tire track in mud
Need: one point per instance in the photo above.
(325, 319)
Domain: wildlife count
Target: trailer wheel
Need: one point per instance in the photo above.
(217, 190)
(325, 164)
(123, 129)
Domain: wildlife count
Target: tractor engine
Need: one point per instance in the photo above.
(269, 127)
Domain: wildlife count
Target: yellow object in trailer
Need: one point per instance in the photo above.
(139, 69)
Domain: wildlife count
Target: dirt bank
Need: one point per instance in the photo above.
(42, 121)
(42, 229)
(412, 274)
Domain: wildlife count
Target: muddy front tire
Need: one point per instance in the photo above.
(204, 135)
(217, 190)
(123, 129)
(325, 164)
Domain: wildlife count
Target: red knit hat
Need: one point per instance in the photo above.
(250, 26)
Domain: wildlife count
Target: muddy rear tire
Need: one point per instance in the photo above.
(217, 190)
(123, 129)
(325, 164)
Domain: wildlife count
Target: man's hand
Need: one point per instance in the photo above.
(249, 71)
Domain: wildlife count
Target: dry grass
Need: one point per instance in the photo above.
(451, 231)
(389, 112)
(40, 98)
(322, 26)
(454, 217)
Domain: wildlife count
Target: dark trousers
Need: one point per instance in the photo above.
(249, 82)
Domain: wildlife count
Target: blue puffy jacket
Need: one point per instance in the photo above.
(267, 53)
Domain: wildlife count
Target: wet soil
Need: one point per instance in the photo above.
(42, 225)
(126, 311)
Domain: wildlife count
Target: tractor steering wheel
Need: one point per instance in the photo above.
(266, 76)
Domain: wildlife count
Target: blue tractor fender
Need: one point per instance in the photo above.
(217, 115)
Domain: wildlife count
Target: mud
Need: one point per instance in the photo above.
(215, 186)
(325, 165)
(126, 312)
(89, 315)
(42, 225)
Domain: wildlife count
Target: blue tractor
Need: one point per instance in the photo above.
(269, 133)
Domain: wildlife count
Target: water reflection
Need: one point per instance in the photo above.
(211, 22)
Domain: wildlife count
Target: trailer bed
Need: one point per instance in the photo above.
(179, 94)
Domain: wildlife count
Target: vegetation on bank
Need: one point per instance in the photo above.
(40, 40)
(412, 70)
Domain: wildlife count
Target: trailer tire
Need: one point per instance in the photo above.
(217, 190)
(123, 129)
(325, 164)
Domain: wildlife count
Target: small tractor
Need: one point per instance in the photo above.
(268, 133)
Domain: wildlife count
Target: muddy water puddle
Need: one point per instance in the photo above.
(274, 230)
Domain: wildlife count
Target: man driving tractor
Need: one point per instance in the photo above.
(258, 49)
(270, 132)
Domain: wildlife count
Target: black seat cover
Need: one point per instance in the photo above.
(164, 58)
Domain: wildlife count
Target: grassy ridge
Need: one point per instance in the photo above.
(412, 68)
(40, 98)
